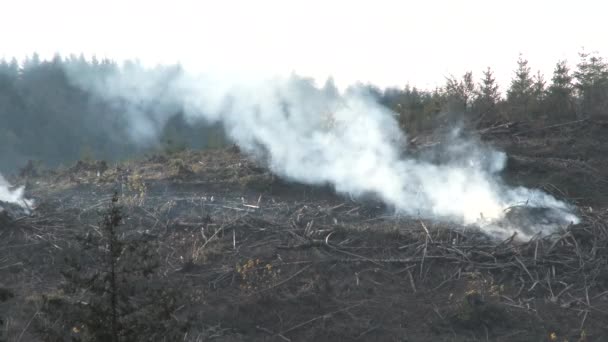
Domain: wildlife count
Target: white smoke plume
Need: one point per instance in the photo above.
(14, 196)
(318, 136)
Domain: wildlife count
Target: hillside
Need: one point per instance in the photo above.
(226, 251)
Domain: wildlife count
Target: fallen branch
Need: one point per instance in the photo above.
(325, 316)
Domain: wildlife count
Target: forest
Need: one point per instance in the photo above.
(49, 120)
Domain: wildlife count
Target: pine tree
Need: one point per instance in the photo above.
(539, 94)
(560, 95)
(460, 93)
(520, 94)
(539, 87)
(487, 95)
(329, 88)
(14, 68)
(33, 62)
(592, 84)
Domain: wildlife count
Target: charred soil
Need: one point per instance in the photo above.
(240, 255)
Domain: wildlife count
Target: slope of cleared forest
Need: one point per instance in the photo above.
(211, 246)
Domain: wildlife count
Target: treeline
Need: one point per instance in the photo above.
(45, 117)
(570, 94)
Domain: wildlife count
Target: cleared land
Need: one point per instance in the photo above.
(245, 256)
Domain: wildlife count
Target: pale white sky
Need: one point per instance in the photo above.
(382, 41)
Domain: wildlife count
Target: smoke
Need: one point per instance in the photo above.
(13, 196)
(318, 135)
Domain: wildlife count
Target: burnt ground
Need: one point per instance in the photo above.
(251, 257)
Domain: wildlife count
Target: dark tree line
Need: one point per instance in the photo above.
(45, 117)
(569, 95)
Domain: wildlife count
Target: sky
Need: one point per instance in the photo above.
(388, 43)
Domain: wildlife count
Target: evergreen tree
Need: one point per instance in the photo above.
(487, 95)
(592, 85)
(539, 90)
(416, 109)
(31, 63)
(330, 90)
(560, 95)
(12, 109)
(460, 93)
(520, 93)
(539, 93)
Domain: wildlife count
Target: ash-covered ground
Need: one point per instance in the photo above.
(212, 246)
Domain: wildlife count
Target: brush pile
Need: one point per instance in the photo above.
(335, 268)
(10, 212)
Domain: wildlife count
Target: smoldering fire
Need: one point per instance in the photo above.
(317, 136)
(15, 196)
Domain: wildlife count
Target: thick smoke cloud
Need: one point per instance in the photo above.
(14, 196)
(318, 136)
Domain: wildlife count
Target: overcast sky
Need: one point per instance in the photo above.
(380, 41)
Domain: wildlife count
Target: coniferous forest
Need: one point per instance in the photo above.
(47, 119)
